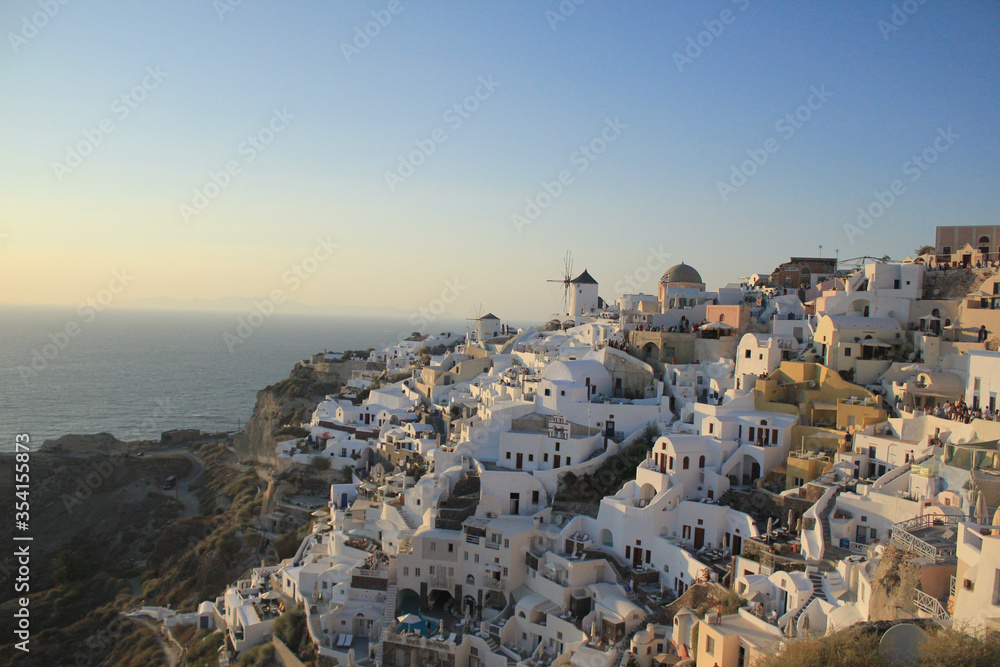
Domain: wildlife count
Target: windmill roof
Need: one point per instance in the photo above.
(489, 316)
(584, 278)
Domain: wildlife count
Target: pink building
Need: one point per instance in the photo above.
(966, 245)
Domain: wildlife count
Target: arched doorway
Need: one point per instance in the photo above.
(606, 538)
(407, 602)
(469, 606)
(440, 601)
(751, 470)
(646, 493)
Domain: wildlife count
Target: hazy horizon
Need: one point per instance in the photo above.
(393, 156)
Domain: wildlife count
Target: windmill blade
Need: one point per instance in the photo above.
(568, 271)
(567, 278)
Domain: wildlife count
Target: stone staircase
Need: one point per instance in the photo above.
(816, 578)
(824, 520)
(411, 520)
(389, 614)
(621, 572)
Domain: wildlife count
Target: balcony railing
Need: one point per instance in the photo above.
(902, 534)
(930, 604)
(378, 574)
(493, 584)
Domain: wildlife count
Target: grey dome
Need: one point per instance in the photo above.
(682, 273)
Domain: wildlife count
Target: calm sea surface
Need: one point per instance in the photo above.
(136, 373)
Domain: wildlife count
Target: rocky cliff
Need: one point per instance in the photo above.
(954, 283)
(281, 407)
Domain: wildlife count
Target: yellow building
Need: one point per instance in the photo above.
(828, 407)
(819, 396)
(860, 345)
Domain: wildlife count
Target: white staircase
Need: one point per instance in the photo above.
(816, 577)
(389, 614)
(411, 520)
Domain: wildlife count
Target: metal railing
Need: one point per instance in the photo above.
(902, 536)
(930, 604)
(928, 520)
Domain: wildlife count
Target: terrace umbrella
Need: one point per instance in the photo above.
(981, 514)
(996, 521)
(270, 595)
(408, 620)
(770, 524)
(791, 519)
(718, 325)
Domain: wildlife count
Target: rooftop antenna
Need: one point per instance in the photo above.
(567, 279)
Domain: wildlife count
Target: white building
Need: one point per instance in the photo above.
(983, 373)
(583, 298)
(977, 578)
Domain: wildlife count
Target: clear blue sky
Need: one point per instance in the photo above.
(324, 173)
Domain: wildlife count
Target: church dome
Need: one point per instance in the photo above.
(681, 274)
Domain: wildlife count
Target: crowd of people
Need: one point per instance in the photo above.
(944, 266)
(684, 326)
(960, 411)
